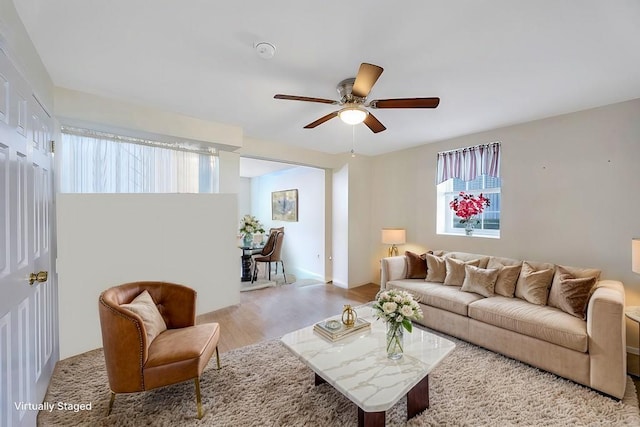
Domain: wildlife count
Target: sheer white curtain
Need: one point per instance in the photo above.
(99, 164)
(469, 163)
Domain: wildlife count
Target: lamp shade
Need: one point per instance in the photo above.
(394, 236)
(635, 255)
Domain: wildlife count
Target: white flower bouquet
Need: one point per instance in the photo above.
(397, 308)
(249, 225)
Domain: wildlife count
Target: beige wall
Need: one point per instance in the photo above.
(569, 194)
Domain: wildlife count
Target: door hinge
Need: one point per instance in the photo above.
(53, 146)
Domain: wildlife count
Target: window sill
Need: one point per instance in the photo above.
(484, 236)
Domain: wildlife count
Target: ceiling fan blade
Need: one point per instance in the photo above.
(405, 103)
(321, 120)
(373, 123)
(367, 76)
(305, 98)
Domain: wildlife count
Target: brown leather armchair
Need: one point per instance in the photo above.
(179, 353)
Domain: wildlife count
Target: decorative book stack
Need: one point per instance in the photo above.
(335, 330)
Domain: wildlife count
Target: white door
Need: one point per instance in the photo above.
(28, 313)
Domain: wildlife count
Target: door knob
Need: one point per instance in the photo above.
(38, 277)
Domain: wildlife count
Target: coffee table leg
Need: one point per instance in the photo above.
(370, 419)
(319, 380)
(418, 398)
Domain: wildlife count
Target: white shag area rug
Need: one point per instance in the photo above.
(265, 385)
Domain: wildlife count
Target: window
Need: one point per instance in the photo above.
(96, 162)
(489, 186)
(473, 170)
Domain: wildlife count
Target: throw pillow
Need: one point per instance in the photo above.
(507, 277)
(572, 293)
(455, 270)
(143, 306)
(533, 284)
(480, 280)
(555, 300)
(416, 265)
(436, 269)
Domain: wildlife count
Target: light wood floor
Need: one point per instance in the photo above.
(272, 312)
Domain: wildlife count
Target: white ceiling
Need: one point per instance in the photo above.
(492, 63)
(251, 168)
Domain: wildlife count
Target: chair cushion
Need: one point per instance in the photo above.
(542, 322)
(144, 306)
(180, 354)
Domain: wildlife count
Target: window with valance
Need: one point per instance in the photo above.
(473, 170)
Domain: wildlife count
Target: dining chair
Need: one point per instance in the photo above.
(272, 252)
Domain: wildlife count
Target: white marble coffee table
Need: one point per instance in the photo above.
(358, 367)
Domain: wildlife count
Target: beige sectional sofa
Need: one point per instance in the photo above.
(537, 313)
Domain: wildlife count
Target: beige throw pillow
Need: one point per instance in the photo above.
(533, 284)
(507, 277)
(555, 299)
(144, 307)
(480, 280)
(416, 265)
(571, 293)
(455, 270)
(436, 269)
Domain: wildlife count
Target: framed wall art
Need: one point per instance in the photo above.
(284, 205)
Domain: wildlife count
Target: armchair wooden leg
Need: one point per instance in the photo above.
(218, 357)
(113, 397)
(198, 399)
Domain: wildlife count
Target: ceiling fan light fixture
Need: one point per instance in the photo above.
(353, 115)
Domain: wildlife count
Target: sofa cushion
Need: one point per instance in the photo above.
(455, 270)
(542, 322)
(144, 306)
(465, 256)
(480, 280)
(534, 282)
(436, 269)
(555, 297)
(571, 289)
(448, 298)
(508, 275)
(416, 265)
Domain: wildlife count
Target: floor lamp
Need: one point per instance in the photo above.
(393, 237)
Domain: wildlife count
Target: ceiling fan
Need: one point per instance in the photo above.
(353, 99)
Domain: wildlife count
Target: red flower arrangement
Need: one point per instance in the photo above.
(467, 206)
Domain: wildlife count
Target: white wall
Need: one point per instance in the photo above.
(244, 198)
(303, 250)
(340, 232)
(112, 115)
(569, 193)
(15, 42)
(110, 239)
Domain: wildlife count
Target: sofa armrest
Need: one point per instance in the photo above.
(392, 268)
(607, 338)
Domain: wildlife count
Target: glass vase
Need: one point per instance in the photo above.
(469, 227)
(247, 240)
(394, 340)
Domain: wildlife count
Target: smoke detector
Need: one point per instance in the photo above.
(265, 50)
